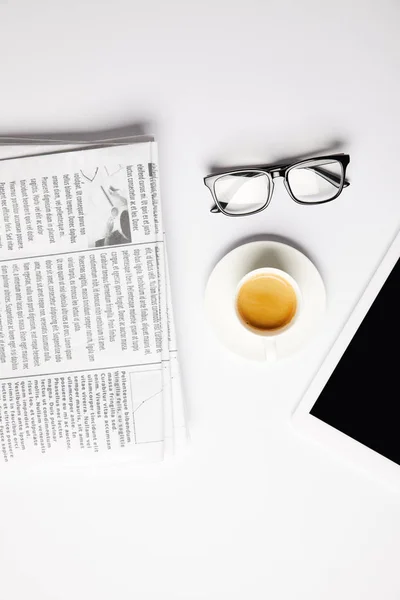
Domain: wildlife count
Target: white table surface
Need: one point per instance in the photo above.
(252, 510)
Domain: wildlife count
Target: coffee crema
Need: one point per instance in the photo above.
(266, 302)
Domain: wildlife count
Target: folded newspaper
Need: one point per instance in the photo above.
(88, 361)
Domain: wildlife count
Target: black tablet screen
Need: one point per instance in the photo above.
(362, 396)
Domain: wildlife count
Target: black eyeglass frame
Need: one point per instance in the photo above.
(279, 171)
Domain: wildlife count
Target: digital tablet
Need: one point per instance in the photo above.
(353, 403)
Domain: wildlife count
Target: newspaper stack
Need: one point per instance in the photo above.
(89, 366)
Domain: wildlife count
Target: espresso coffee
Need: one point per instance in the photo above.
(266, 302)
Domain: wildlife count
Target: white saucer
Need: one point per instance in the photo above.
(229, 271)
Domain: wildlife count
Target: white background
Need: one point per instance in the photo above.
(252, 511)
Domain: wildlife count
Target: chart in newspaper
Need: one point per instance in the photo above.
(88, 362)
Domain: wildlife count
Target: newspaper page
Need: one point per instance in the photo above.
(175, 432)
(84, 351)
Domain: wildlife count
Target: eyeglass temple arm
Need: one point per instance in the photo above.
(331, 177)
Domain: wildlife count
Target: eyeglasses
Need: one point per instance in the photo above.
(249, 191)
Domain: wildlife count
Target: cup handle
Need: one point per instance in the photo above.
(270, 350)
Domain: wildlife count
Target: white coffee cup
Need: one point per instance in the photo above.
(270, 337)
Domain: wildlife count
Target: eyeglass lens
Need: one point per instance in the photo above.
(242, 192)
(317, 180)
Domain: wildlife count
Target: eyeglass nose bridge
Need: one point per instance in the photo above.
(274, 174)
(277, 173)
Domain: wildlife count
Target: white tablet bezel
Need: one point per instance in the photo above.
(303, 421)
